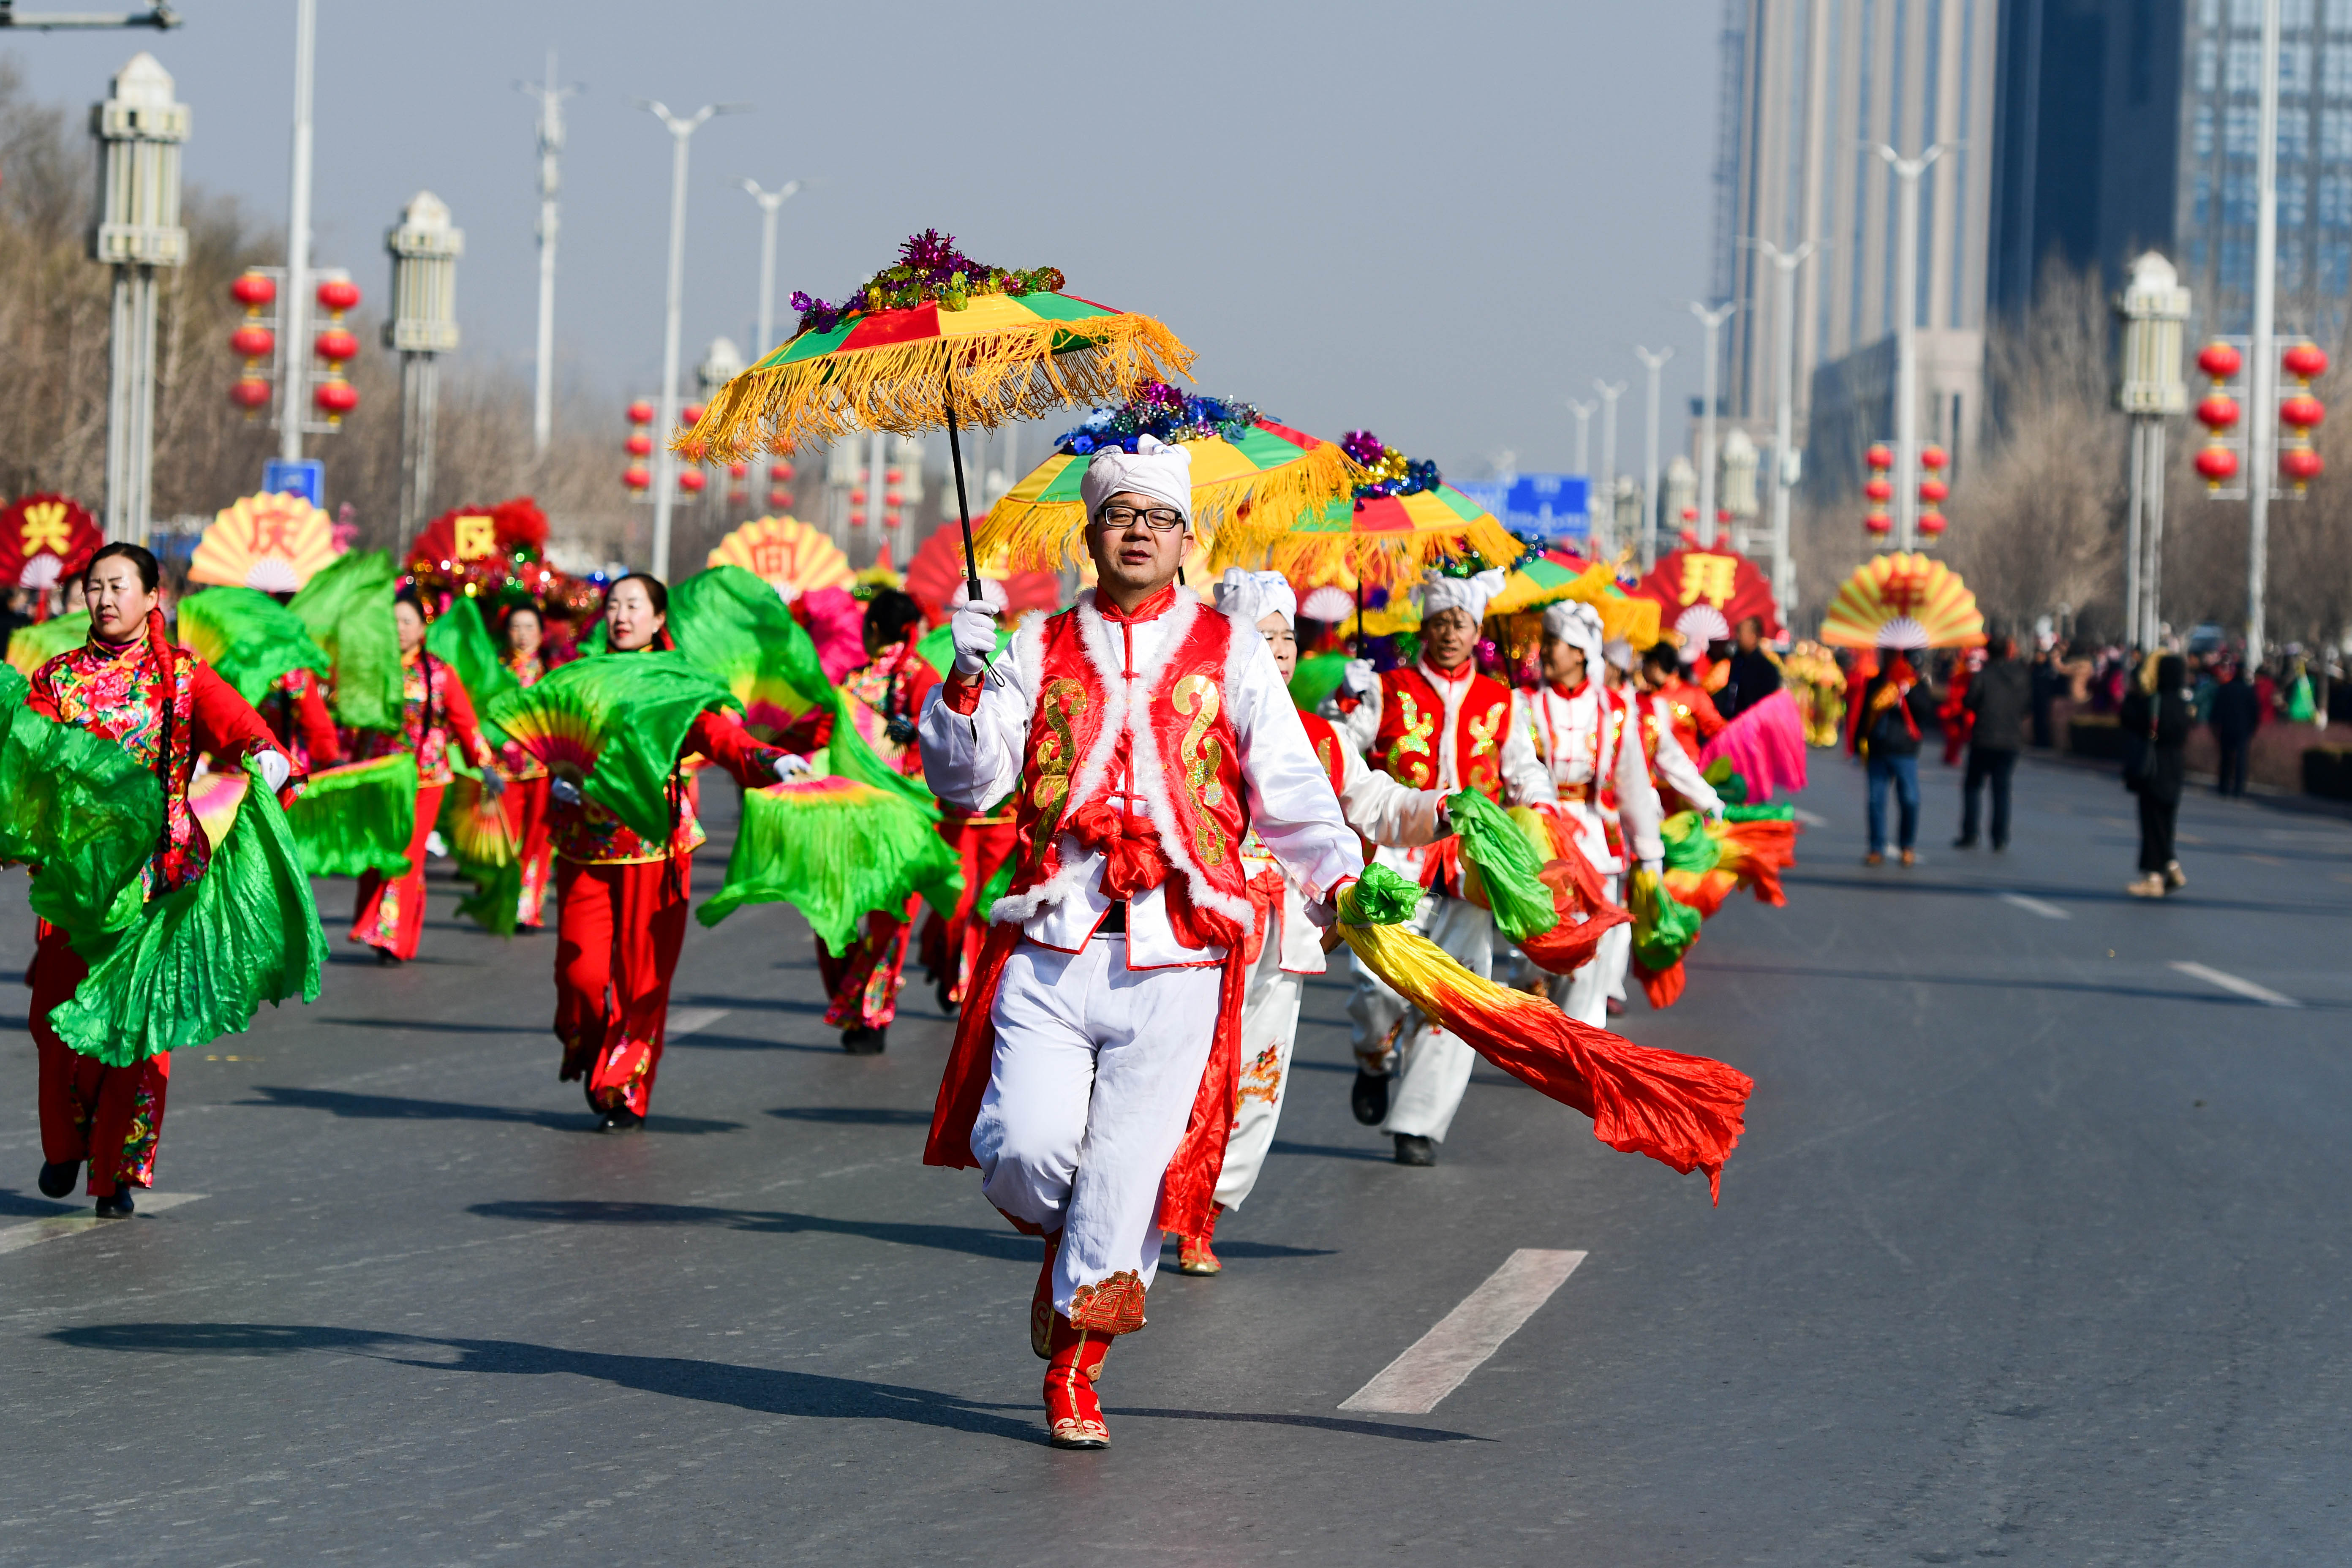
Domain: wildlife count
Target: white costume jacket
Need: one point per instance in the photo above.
(1584, 736)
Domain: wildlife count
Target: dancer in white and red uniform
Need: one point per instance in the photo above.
(1143, 736)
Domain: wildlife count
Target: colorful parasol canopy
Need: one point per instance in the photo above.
(1250, 476)
(273, 542)
(786, 553)
(44, 540)
(1402, 519)
(938, 337)
(1551, 578)
(1720, 579)
(1906, 601)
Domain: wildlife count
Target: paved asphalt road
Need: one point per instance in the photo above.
(2034, 1250)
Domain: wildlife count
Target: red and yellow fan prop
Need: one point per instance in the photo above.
(787, 554)
(46, 540)
(273, 542)
(1722, 579)
(1903, 601)
(935, 578)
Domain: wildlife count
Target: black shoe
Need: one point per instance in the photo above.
(862, 1041)
(1615, 1009)
(119, 1207)
(1370, 1097)
(385, 958)
(1413, 1150)
(620, 1119)
(57, 1177)
(1967, 843)
(946, 1002)
(2000, 846)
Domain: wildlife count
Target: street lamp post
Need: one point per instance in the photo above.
(1607, 491)
(681, 130)
(2153, 386)
(2262, 354)
(551, 182)
(422, 325)
(1650, 501)
(1583, 412)
(140, 129)
(295, 327)
(771, 203)
(1713, 321)
(1784, 455)
(1906, 340)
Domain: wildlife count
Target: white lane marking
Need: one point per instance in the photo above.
(693, 1020)
(18, 1236)
(1435, 1364)
(2229, 982)
(2042, 907)
(1807, 817)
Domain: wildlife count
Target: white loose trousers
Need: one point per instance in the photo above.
(1096, 1068)
(1583, 994)
(1269, 1025)
(1435, 1063)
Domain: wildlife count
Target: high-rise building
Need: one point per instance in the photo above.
(1812, 88)
(2126, 125)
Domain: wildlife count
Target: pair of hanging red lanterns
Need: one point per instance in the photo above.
(1879, 488)
(639, 445)
(2299, 413)
(255, 343)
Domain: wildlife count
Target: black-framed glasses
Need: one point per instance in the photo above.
(1159, 519)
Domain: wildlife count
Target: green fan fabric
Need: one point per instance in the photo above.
(29, 647)
(616, 723)
(832, 849)
(1729, 783)
(204, 957)
(1664, 926)
(998, 886)
(251, 639)
(359, 818)
(460, 639)
(1689, 846)
(1507, 865)
(1779, 812)
(79, 809)
(1381, 897)
(346, 607)
(496, 902)
(1316, 677)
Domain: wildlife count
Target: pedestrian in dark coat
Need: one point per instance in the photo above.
(2163, 705)
(1996, 702)
(2236, 716)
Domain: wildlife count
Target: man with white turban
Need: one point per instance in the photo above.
(1143, 736)
(1439, 725)
(1377, 807)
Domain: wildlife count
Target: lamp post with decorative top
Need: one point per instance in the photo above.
(139, 129)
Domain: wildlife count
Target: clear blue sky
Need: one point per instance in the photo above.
(1437, 220)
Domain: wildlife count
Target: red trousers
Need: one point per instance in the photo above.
(863, 982)
(618, 936)
(951, 946)
(111, 1117)
(526, 809)
(391, 913)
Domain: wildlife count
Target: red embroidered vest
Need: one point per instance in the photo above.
(1326, 743)
(1410, 711)
(1188, 812)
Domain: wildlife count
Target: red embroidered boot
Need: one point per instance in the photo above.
(1041, 1304)
(1193, 1255)
(1074, 1417)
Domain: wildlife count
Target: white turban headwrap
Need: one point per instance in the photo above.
(1619, 653)
(1155, 468)
(1579, 625)
(1251, 597)
(1440, 593)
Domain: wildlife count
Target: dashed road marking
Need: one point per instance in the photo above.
(1434, 1366)
(2033, 906)
(17, 1237)
(2261, 859)
(2235, 985)
(692, 1020)
(1807, 817)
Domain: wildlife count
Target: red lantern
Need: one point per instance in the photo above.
(2219, 361)
(253, 291)
(1880, 490)
(1933, 457)
(781, 472)
(253, 343)
(1931, 523)
(2304, 361)
(691, 414)
(2218, 411)
(2301, 411)
(2216, 464)
(339, 294)
(691, 480)
(857, 499)
(1932, 490)
(2300, 464)
(737, 470)
(1690, 514)
(335, 345)
(1880, 456)
(780, 500)
(641, 412)
(890, 518)
(640, 445)
(335, 399)
(635, 477)
(250, 393)
(1879, 522)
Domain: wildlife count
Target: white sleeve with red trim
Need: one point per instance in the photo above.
(1385, 811)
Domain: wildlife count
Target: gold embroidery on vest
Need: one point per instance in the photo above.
(1418, 729)
(1063, 701)
(1197, 695)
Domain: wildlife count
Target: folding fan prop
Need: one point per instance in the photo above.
(787, 554)
(250, 638)
(1721, 580)
(613, 725)
(273, 542)
(1903, 601)
(835, 848)
(44, 541)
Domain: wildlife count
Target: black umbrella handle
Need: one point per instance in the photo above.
(963, 505)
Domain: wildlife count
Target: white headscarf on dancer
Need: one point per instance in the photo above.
(1440, 593)
(1579, 625)
(1620, 654)
(1156, 469)
(1251, 596)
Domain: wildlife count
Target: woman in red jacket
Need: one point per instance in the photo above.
(130, 684)
(434, 711)
(623, 899)
(526, 635)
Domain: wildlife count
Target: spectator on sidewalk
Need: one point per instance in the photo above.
(2158, 707)
(1896, 706)
(2236, 716)
(1996, 704)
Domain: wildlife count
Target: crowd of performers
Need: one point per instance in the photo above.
(1147, 844)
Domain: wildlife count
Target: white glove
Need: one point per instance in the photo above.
(973, 628)
(565, 791)
(790, 767)
(275, 769)
(1358, 679)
